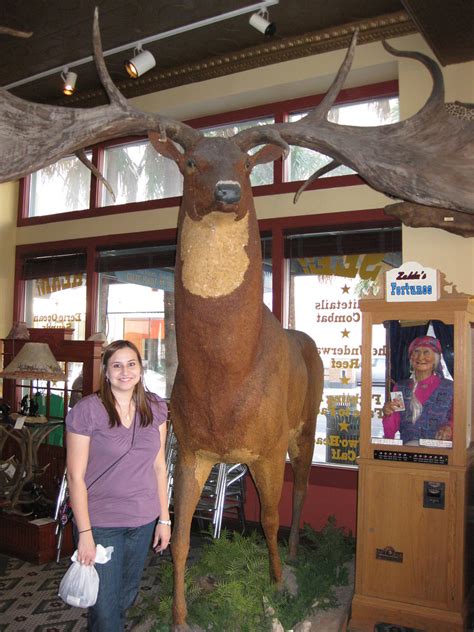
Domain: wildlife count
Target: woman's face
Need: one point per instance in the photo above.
(423, 361)
(123, 370)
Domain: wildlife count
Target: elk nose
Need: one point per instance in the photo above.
(227, 192)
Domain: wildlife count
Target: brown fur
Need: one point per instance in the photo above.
(246, 390)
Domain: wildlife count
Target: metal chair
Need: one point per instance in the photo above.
(222, 494)
(62, 514)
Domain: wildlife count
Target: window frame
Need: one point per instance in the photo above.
(279, 110)
(275, 228)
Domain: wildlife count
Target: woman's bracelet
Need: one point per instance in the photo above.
(85, 530)
(165, 522)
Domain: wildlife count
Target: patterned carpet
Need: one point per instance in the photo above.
(29, 601)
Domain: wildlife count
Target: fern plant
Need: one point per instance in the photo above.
(226, 586)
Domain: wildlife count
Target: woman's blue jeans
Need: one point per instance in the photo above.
(119, 578)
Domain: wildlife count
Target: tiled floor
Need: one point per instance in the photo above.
(29, 599)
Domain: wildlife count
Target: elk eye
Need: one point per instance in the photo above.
(190, 164)
(248, 164)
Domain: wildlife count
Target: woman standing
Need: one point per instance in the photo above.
(421, 407)
(117, 480)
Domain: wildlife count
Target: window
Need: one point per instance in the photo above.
(62, 186)
(136, 302)
(302, 162)
(266, 243)
(142, 179)
(328, 274)
(136, 172)
(55, 292)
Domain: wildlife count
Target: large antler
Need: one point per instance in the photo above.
(5, 30)
(427, 159)
(34, 135)
(419, 216)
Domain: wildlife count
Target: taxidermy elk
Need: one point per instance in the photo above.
(246, 390)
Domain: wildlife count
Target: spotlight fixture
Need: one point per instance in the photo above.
(258, 6)
(69, 81)
(142, 62)
(261, 22)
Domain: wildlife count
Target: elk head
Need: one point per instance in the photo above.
(218, 233)
(216, 173)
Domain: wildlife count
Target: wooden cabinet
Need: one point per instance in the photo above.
(414, 520)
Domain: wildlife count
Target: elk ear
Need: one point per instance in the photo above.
(165, 147)
(268, 153)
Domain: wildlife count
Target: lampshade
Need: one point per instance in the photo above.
(34, 361)
(19, 331)
(99, 336)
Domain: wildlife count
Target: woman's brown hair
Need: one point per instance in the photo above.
(141, 396)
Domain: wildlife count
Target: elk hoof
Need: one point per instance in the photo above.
(292, 553)
(289, 581)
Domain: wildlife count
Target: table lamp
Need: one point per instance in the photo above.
(34, 361)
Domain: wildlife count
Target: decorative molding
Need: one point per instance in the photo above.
(273, 51)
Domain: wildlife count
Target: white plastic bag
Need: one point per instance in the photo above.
(80, 585)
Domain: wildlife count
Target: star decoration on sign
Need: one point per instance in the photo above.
(344, 426)
(345, 289)
(344, 380)
(345, 333)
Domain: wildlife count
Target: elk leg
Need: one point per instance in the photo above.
(300, 450)
(268, 477)
(191, 474)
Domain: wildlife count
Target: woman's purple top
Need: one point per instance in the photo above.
(127, 495)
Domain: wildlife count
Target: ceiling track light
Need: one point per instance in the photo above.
(260, 6)
(142, 62)
(260, 21)
(69, 81)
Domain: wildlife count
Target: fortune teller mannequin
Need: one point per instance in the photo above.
(425, 410)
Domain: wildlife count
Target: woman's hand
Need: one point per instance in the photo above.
(162, 537)
(389, 408)
(445, 433)
(86, 548)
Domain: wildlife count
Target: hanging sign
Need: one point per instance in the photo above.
(156, 278)
(412, 282)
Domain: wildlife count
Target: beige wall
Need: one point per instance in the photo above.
(451, 254)
(287, 80)
(8, 215)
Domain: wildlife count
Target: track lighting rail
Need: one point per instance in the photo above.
(152, 38)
